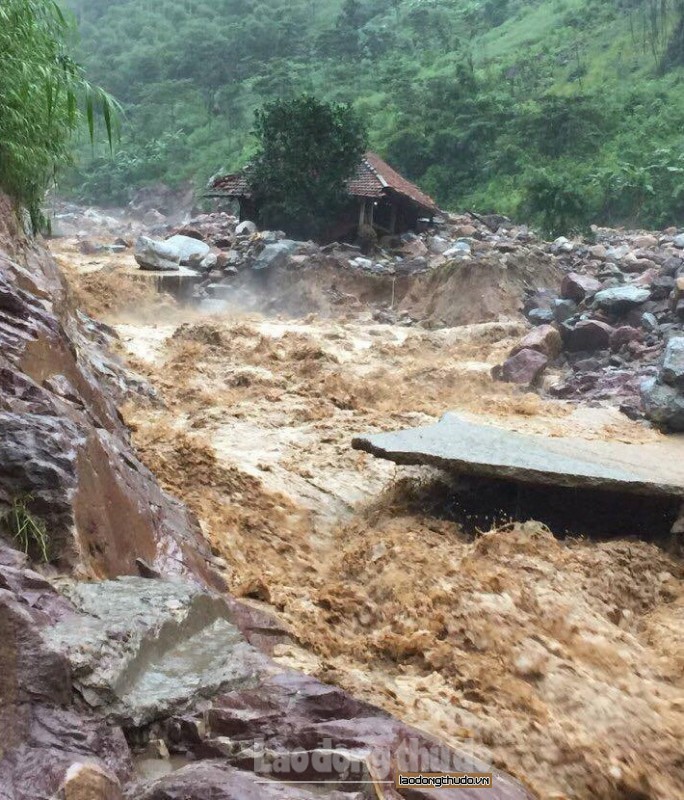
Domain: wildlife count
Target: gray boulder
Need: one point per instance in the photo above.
(663, 405)
(208, 262)
(275, 255)
(246, 228)
(190, 251)
(678, 241)
(457, 250)
(673, 365)
(155, 255)
(617, 253)
(541, 316)
(564, 309)
(620, 299)
(133, 647)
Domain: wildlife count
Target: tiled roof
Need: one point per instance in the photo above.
(366, 182)
(391, 179)
(374, 178)
(231, 185)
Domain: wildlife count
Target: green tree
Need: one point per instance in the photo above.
(561, 201)
(40, 92)
(307, 151)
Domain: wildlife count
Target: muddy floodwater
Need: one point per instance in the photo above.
(559, 658)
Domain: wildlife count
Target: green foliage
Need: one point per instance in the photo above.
(560, 202)
(113, 176)
(28, 531)
(307, 151)
(470, 98)
(43, 97)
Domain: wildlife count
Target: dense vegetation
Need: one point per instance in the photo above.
(41, 93)
(566, 111)
(307, 150)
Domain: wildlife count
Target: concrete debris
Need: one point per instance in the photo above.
(470, 448)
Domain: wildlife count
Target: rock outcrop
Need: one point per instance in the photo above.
(62, 440)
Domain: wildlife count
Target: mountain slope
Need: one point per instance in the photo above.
(570, 110)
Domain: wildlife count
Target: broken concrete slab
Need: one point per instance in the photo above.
(456, 444)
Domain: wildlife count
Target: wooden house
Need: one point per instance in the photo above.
(379, 197)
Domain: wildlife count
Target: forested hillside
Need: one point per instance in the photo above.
(566, 111)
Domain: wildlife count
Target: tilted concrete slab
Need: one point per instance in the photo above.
(454, 443)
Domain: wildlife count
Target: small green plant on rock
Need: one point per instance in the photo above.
(29, 531)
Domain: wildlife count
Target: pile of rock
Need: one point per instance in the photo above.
(620, 306)
(231, 248)
(663, 396)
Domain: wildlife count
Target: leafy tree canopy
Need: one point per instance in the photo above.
(307, 151)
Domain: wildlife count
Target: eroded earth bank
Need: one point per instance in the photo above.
(369, 597)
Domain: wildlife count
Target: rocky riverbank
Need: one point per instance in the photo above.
(126, 670)
(605, 310)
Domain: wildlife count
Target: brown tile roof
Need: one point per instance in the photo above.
(374, 178)
(235, 185)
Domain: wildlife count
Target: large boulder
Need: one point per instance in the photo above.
(577, 287)
(544, 339)
(524, 367)
(120, 681)
(621, 299)
(246, 228)
(171, 253)
(275, 255)
(190, 251)
(672, 372)
(587, 334)
(663, 404)
(155, 255)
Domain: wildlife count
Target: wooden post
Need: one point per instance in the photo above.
(362, 214)
(393, 220)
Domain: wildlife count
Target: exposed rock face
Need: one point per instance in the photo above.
(43, 734)
(61, 437)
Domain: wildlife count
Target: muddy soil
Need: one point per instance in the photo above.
(559, 659)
